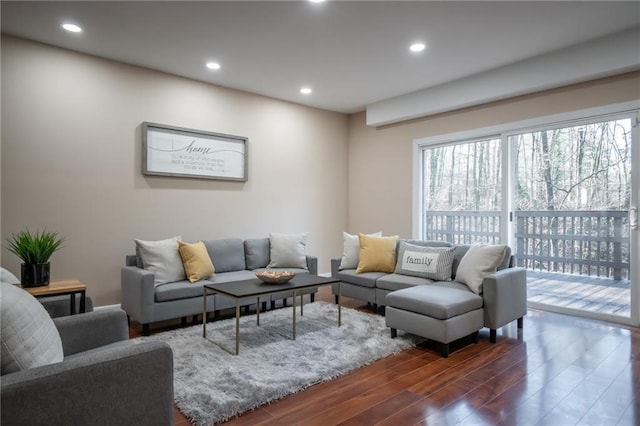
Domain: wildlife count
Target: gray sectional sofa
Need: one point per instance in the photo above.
(504, 295)
(233, 259)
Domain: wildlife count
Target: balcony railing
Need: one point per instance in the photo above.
(594, 243)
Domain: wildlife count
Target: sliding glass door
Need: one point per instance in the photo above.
(572, 198)
(563, 196)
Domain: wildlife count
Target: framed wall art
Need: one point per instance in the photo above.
(174, 151)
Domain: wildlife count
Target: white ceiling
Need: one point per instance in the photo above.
(352, 53)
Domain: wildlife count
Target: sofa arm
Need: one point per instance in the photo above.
(138, 292)
(505, 297)
(335, 266)
(312, 265)
(82, 332)
(122, 384)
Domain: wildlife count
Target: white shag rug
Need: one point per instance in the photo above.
(211, 385)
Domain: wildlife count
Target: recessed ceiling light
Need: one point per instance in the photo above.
(417, 47)
(316, 1)
(306, 90)
(213, 65)
(72, 28)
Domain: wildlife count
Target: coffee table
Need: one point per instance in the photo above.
(256, 288)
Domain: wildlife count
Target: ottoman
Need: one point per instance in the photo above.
(437, 313)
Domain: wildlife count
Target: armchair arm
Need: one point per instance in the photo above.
(138, 288)
(82, 332)
(335, 266)
(505, 297)
(125, 383)
(312, 265)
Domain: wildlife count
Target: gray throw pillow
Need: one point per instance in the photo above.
(29, 336)
(288, 250)
(433, 263)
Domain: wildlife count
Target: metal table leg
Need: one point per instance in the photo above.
(294, 315)
(204, 312)
(237, 326)
(339, 307)
(257, 311)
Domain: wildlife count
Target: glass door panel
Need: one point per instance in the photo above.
(571, 222)
(462, 192)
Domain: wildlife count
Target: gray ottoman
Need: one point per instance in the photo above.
(437, 313)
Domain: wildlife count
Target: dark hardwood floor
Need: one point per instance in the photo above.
(558, 370)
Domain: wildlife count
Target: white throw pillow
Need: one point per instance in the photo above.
(8, 277)
(163, 259)
(351, 250)
(478, 262)
(29, 336)
(288, 250)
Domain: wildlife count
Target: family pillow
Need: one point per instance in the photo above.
(434, 263)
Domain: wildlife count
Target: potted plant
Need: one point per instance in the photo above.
(34, 249)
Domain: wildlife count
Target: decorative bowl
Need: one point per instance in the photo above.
(274, 277)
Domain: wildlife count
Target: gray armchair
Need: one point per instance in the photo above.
(104, 378)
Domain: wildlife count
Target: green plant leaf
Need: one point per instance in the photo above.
(33, 248)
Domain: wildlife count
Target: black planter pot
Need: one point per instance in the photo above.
(35, 275)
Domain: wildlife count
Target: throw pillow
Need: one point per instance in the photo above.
(377, 254)
(8, 277)
(196, 260)
(433, 263)
(351, 250)
(29, 336)
(162, 258)
(288, 250)
(477, 263)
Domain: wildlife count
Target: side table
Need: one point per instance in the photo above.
(62, 287)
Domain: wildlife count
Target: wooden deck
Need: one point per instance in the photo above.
(580, 292)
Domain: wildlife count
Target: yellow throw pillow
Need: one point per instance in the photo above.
(196, 260)
(377, 254)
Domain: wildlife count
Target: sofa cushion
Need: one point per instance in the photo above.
(196, 260)
(162, 259)
(452, 284)
(288, 250)
(366, 279)
(377, 254)
(435, 302)
(479, 261)
(426, 262)
(186, 290)
(29, 336)
(351, 250)
(226, 254)
(393, 282)
(257, 252)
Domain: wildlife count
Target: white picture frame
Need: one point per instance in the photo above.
(179, 152)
